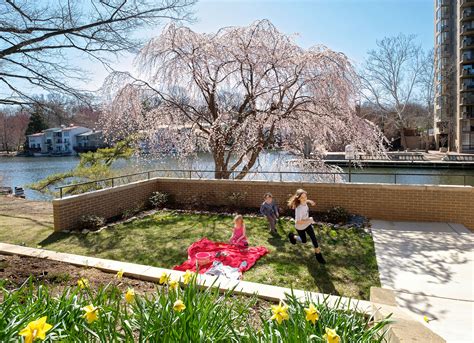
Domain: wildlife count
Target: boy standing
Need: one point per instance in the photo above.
(270, 210)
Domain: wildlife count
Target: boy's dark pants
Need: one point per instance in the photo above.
(272, 222)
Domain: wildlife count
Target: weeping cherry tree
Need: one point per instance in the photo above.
(231, 93)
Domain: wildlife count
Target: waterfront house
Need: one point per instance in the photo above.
(36, 142)
(63, 141)
(89, 141)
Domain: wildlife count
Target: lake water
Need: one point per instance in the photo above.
(21, 171)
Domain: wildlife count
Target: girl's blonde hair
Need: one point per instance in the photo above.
(238, 217)
(294, 201)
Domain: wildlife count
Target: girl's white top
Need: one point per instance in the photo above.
(301, 213)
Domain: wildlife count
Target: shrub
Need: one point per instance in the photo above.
(90, 222)
(236, 199)
(337, 214)
(158, 199)
(200, 201)
(130, 212)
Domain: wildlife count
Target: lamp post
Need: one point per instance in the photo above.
(349, 155)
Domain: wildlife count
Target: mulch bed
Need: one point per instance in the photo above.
(57, 275)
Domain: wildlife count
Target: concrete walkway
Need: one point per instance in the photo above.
(430, 267)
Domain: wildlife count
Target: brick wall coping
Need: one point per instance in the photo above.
(444, 188)
(403, 328)
(98, 192)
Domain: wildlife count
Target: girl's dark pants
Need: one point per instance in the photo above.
(310, 231)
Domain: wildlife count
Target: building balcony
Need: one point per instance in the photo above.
(467, 15)
(465, 3)
(467, 44)
(467, 100)
(466, 114)
(467, 59)
(467, 73)
(467, 30)
(467, 87)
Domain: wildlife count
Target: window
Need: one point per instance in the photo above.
(444, 37)
(66, 133)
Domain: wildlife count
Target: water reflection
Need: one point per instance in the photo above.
(20, 171)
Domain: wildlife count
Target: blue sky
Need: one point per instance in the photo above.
(349, 26)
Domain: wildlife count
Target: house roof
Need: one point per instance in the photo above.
(74, 127)
(89, 133)
(39, 134)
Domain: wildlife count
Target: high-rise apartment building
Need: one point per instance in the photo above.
(454, 75)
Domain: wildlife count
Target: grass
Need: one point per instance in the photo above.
(206, 316)
(163, 238)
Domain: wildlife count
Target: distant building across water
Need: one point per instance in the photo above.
(65, 141)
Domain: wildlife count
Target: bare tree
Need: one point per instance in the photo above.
(36, 37)
(12, 129)
(231, 92)
(427, 86)
(391, 75)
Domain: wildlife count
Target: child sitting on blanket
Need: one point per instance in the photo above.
(238, 236)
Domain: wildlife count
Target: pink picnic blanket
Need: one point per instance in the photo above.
(228, 254)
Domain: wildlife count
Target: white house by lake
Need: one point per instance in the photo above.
(64, 140)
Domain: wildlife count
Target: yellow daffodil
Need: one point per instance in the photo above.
(35, 329)
(91, 313)
(187, 277)
(331, 336)
(119, 274)
(174, 284)
(164, 278)
(178, 306)
(83, 283)
(312, 313)
(426, 319)
(280, 313)
(130, 295)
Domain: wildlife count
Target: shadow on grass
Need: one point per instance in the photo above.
(321, 277)
(37, 222)
(53, 238)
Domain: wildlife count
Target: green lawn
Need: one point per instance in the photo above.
(162, 240)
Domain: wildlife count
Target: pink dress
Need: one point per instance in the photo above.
(238, 233)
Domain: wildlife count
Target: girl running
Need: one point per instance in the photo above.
(303, 222)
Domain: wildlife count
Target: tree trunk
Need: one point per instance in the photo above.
(307, 148)
(220, 169)
(403, 141)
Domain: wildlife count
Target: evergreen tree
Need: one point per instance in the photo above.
(36, 123)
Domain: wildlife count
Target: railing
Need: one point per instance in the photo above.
(276, 176)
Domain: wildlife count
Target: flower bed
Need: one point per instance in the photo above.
(175, 311)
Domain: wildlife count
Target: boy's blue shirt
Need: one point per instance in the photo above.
(269, 209)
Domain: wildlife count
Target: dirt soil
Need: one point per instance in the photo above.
(57, 275)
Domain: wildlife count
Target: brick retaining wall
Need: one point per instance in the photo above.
(453, 204)
(107, 203)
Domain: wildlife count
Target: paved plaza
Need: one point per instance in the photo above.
(430, 267)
